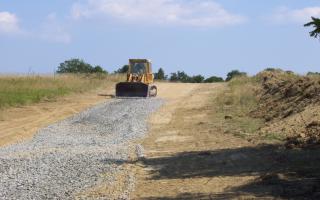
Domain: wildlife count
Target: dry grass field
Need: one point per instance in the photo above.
(22, 90)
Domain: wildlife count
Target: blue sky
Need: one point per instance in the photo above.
(209, 37)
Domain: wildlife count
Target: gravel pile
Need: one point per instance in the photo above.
(77, 153)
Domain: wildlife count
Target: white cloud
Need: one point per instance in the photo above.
(53, 31)
(202, 13)
(9, 23)
(285, 14)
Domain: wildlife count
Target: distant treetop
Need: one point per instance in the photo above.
(160, 75)
(122, 70)
(214, 79)
(78, 66)
(181, 76)
(235, 73)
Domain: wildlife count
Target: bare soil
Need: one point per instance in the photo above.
(290, 104)
(180, 149)
(284, 94)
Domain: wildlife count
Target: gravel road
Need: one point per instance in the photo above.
(72, 155)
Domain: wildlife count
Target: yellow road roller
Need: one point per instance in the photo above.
(140, 80)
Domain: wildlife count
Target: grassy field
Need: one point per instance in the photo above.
(22, 90)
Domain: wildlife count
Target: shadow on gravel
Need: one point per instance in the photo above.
(292, 174)
(187, 196)
(112, 96)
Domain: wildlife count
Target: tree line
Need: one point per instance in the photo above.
(80, 66)
(181, 76)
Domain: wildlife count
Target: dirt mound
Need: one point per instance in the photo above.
(284, 94)
(290, 105)
(309, 138)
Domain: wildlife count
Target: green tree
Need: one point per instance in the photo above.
(174, 77)
(74, 66)
(234, 73)
(214, 79)
(79, 66)
(122, 70)
(98, 69)
(183, 77)
(315, 23)
(197, 79)
(160, 75)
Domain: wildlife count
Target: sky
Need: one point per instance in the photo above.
(208, 37)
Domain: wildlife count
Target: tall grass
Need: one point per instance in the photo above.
(236, 103)
(21, 90)
(240, 96)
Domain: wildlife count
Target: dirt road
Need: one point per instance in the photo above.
(179, 147)
(187, 154)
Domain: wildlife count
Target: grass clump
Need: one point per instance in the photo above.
(22, 90)
(274, 137)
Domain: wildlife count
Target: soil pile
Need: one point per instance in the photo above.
(284, 94)
(286, 98)
(309, 138)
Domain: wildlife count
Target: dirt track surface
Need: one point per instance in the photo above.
(187, 154)
(179, 146)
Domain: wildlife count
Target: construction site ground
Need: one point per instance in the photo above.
(187, 154)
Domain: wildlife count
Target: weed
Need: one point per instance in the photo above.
(274, 136)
